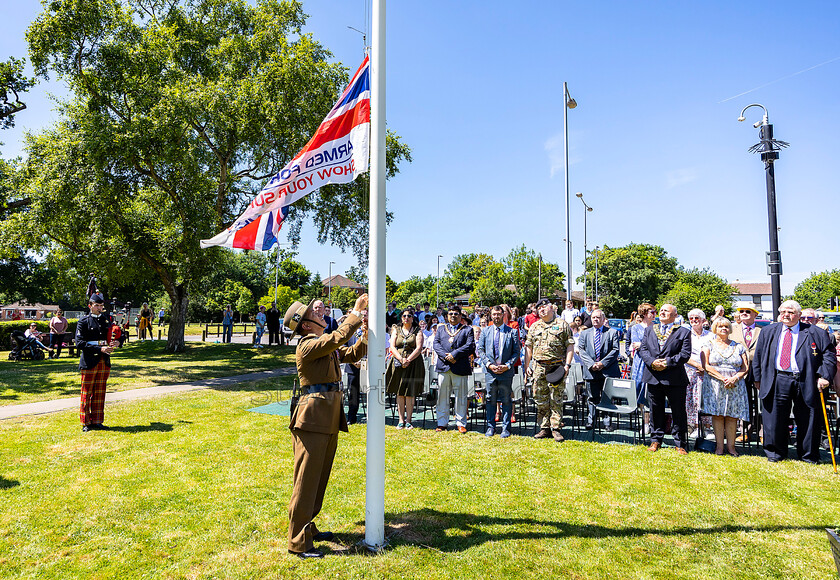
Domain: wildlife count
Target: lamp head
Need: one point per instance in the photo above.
(579, 195)
(571, 103)
(588, 208)
(742, 118)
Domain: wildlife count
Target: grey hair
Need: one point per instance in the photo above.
(697, 312)
(721, 321)
(598, 310)
(791, 304)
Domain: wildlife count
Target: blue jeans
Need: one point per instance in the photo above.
(227, 332)
(498, 390)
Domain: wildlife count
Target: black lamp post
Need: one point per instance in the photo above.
(769, 149)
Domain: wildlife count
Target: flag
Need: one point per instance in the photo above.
(336, 153)
(259, 233)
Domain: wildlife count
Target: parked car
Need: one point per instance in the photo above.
(620, 325)
(832, 319)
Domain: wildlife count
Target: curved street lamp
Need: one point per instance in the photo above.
(586, 210)
(568, 103)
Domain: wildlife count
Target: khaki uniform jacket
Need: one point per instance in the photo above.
(317, 359)
(548, 341)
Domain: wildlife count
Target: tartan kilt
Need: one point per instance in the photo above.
(94, 385)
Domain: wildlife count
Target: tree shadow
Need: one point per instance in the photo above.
(457, 532)
(8, 483)
(153, 426)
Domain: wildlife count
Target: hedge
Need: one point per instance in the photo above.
(7, 326)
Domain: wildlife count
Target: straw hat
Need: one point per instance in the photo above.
(746, 306)
(296, 313)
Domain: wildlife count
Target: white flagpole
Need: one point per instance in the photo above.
(375, 465)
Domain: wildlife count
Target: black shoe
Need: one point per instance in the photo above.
(323, 537)
(99, 427)
(589, 427)
(610, 428)
(313, 553)
(86, 428)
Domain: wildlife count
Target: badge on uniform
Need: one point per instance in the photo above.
(555, 328)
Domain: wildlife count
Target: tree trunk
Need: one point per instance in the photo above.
(180, 299)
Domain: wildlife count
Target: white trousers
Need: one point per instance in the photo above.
(448, 383)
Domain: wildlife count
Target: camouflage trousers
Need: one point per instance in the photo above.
(549, 400)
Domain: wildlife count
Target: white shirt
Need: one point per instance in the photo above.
(795, 336)
(569, 315)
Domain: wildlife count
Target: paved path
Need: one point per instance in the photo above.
(9, 411)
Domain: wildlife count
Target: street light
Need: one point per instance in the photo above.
(769, 149)
(438, 282)
(329, 287)
(568, 103)
(585, 253)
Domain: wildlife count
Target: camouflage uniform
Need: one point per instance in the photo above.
(548, 342)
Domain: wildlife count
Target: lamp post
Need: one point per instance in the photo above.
(769, 149)
(568, 103)
(585, 252)
(539, 278)
(596, 273)
(437, 284)
(329, 287)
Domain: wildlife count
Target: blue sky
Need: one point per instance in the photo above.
(475, 89)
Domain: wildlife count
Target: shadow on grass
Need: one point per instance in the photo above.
(8, 483)
(456, 532)
(153, 426)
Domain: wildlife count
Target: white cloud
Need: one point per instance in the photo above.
(680, 177)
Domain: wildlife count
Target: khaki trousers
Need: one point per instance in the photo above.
(314, 454)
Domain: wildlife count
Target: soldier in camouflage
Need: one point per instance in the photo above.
(550, 343)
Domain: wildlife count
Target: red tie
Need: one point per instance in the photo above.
(748, 335)
(787, 344)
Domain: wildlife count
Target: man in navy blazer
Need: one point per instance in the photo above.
(599, 348)
(498, 349)
(665, 349)
(793, 362)
(454, 343)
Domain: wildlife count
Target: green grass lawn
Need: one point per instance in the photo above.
(136, 365)
(194, 486)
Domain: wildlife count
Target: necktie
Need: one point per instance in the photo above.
(597, 344)
(787, 345)
(496, 345)
(748, 335)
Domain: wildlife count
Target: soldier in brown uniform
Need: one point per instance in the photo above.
(551, 344)
(318, 416)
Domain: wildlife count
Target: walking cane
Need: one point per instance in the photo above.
(828, 432)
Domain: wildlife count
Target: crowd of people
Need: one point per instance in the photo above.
(705, 371)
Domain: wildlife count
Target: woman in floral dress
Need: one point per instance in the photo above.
(724, 390)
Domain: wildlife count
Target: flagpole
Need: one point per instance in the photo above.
(375, 464)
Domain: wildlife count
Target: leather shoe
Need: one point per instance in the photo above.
(681, 451)
(462, 429)
(312, 553)
(589, 426)
(542, 434)
(505, 434)
(557, 435)
(654, 447)
(490, 432)
(323, 537)
(440, 428)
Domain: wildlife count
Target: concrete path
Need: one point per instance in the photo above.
(42, 407)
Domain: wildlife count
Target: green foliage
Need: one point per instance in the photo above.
(520, 268)
(415, 289)
(343, 298)
(630, 275)
(357, 274)
(390, 288)
(233, 293)
(12, 83)
(816, 290)
(179, 112)
(285, 297)
(701, 289)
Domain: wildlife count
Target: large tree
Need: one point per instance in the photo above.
(701, 289)
(179, 112)
(816, 290)
(12, 84)
(517, 279)
(630, 275)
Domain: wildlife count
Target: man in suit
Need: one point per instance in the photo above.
(665, 349)
(745, 332)
(321, 309)
(794, 361)
(498, 350)
(599, 349)
(392, 315)
(454, 343)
